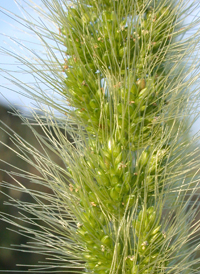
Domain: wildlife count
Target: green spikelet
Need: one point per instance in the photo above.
(132, 39)
(118, 80)
(126, 80)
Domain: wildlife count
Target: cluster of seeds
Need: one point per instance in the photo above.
(114, 70)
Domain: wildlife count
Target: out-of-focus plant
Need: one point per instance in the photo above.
(128, 75)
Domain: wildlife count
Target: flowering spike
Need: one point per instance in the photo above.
(128, 175)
